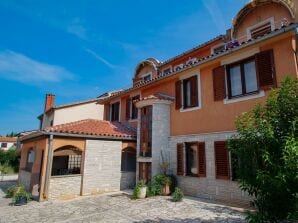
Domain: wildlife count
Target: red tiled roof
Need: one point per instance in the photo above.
(95, 128)
(8, 139)
(159, 96)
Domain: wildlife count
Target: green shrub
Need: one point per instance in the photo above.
(10, 158)
(177, 195)
(267, 149)
(13, 190)
(21, 194)
(157, 184)
(6, 169)
(136, 190)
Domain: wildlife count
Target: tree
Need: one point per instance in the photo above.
(266, 147)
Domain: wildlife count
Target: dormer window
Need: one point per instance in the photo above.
(147, 77)
(217, 49)
(167, 71)
(261, 28)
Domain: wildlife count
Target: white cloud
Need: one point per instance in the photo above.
(18, 67)
(77, 28)
(216, 14)
(99, 58)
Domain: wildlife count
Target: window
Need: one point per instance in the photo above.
(128, 160)
(131, 109)
(242, 78)
(146, 131)
(4, 145)
(167, 71)
(115, 107)
(147, 77)
(191, 159)
(191, 155)
(187, 93)
(261, 30)
(30, 160)
(218, 49)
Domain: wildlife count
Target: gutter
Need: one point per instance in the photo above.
(208, 59)
(42, 133)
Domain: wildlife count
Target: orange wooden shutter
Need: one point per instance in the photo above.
(180, 159)
(128, 100)
(178, 94)
(219, 83)
(221, 160)
(194, 90)
(265, 69)
(201, 159)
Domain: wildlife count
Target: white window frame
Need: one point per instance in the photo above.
(182, 109)
(271, 20)
(113, 102)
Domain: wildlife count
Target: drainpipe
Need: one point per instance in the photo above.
(49, 165)
(295, 50)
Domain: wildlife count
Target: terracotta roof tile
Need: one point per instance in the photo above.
(8, 139)
(96, 128)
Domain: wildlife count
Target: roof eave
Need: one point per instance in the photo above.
(232, 50)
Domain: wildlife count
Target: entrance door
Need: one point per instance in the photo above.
(145, 171)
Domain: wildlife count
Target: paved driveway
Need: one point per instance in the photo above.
(119, 208)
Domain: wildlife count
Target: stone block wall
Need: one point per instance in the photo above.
(128, 180)
(209, 186)
(65, 187)
(102, 166)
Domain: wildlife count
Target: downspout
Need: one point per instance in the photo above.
(49, 165)
(295, 50)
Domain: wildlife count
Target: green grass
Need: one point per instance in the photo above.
(6, 169)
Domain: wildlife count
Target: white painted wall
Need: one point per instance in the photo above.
(9, 144)
(78, 112)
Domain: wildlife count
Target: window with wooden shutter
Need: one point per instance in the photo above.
(221, 160)
(178, 94)
(202, 159)
(146, 131)
(219, 83)
(180, 159)
(128, 101)
(266, 69)
(190, 92)
(134, 109)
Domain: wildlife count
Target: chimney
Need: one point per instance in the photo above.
(49, 103)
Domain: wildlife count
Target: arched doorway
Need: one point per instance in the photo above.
(67, 160)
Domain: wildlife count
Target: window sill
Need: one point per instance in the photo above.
(244, 98)
(133, 120)
(69, 175)
(190, 109)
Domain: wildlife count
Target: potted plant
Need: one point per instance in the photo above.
(167, 181)
(21, 198)
(140, 190)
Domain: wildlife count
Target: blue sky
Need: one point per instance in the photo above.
(80, 49)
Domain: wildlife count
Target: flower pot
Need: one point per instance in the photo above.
(166, 190)
(20, 201)
(142, 192)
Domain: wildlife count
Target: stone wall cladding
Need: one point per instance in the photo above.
(209, 186)
(102, 166)
(25, 179)
(64, 187)
(160, 134)
(128, 180)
